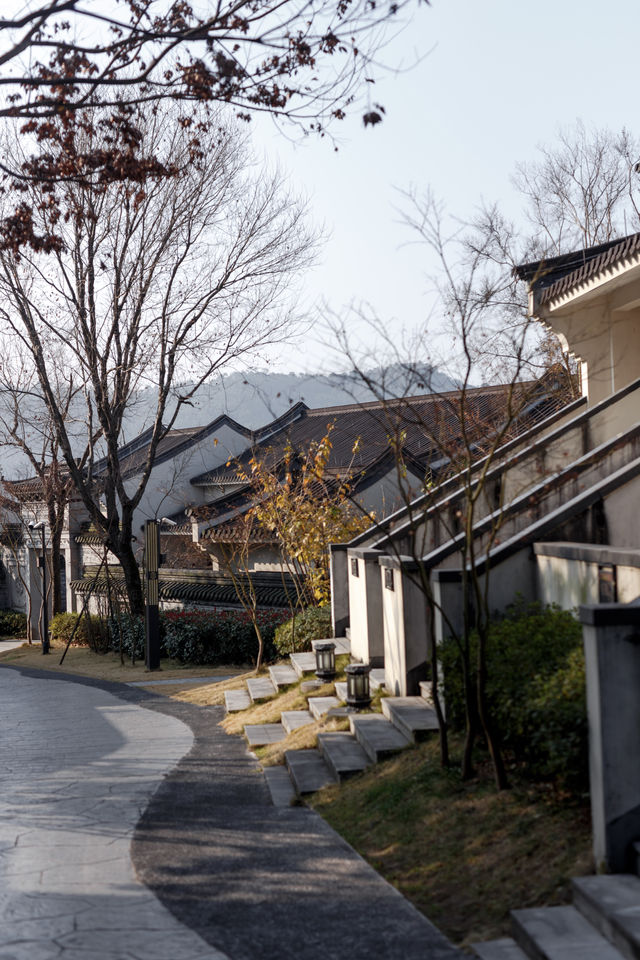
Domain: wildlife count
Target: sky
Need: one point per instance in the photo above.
(494, 79)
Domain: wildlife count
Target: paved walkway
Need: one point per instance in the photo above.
(106, 855)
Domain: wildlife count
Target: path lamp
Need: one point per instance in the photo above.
(358, 694)
(325, 661)
(42, 563)
(152, 614)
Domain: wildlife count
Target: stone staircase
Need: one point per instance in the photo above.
(339, 754)
(602, 924)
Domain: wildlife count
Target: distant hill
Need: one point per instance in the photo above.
(255, 398)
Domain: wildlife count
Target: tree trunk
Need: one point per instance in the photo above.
(484, 714)
(133, 583)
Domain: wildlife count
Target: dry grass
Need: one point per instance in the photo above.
(85, 663)
(462, 853)
(212, 694)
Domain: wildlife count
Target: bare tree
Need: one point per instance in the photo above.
(580, 191)
(156, 287)
(488, 337)
(69, 68)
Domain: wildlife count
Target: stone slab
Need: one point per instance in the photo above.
(612, 904)
(560, 933)
(308, 770)
(411, 715)
(503, 949)
(342, 753)
(321, 705)
(236, 700)
(378, 737)
(294, 719)
(376, 679)
(282, 675)
(280, 786)
(343, 645)
(303, 663)
(308, 686)
(262, 734)
(339, 712)
(261, 688)
(341, 690)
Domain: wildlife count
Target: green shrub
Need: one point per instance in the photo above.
(296, 634)
(129, 632)
(535, 688)
(90, 632)
(12, 623)
(201, 637)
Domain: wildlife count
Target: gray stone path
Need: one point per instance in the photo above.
(77, 768)
(242, 878)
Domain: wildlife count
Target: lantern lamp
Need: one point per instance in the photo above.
(325, 661)
(358, 694)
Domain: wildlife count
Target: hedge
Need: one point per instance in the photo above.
(201, 636)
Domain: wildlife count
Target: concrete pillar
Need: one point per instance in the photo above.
(405, 626)
(339, 589)
(611, 635)
(365, 606)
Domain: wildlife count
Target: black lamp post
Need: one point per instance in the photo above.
(152, 561)
(42, 563)
(325, 661)
(152, 615)
(358, 694)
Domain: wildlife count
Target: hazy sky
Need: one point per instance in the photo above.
(497, 78)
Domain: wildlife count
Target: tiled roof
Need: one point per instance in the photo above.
(422, 419)
(210, 589)
(553, 277)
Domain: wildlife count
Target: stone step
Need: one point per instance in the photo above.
(560, 933)
(294, 719)
(303, 663)
(411, 716)
(341, 690)
(236, 700)
(342, 644)
(377, 736)
(425, 693)
(308, 770)
(503, 949)
(342, 753)
(321, 705)
(612, 904)
(261, 688)
(280, 786)
(262, 734)
(376, 679)
(282, 675)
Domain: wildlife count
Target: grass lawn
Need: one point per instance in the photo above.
(462, 853)
(107, 666)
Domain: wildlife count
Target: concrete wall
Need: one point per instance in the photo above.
(568, 573)
(365, 606)
(612, 654)
(405, 622)
(339, 589)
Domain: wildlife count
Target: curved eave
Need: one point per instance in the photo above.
(621, 281)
